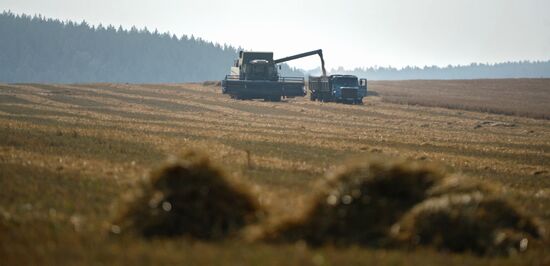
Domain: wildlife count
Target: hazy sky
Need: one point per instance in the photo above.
(351, 33)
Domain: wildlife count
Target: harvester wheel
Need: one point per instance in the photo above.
(276, 99)
(312, 97)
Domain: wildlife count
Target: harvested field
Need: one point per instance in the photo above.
(68, 152)
(521, 97)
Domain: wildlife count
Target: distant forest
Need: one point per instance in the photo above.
(38, 49)
(524, 69)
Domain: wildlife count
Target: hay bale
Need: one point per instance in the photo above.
(468, 222)
(359, 202)
(188, 197)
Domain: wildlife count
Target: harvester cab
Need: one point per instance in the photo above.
(255, 66)
(255, 76)
(260, 69)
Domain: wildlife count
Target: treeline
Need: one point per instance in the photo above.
(37, 49)
(523, 69)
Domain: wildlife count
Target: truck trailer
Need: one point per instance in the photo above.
(337, 88)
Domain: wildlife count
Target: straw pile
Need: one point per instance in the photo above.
(188, 197)
(381, 202)
(468, 222)
(359, 203)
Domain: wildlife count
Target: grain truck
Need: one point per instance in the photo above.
(337, 88)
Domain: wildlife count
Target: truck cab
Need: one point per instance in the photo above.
(348, 88)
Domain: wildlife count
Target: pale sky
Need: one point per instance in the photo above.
(352, 33)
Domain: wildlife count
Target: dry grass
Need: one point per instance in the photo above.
(523, 97)
(212, 83)
(67, 152)
(456, 184)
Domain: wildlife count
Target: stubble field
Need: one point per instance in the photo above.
(522, 97)
(69, 152)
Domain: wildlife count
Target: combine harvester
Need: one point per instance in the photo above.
(255, 76)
